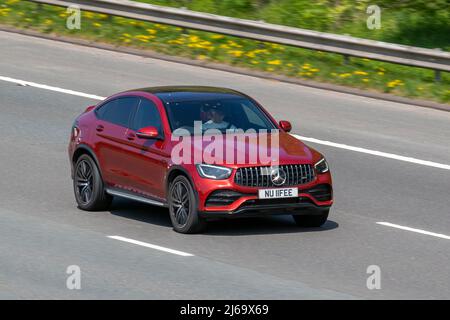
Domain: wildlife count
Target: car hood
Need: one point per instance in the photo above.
(290, 150)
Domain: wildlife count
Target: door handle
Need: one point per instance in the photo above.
(131, 136)
(100, 128)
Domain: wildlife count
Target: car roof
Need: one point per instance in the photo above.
(169, 94)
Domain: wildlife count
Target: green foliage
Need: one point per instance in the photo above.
(413, 22)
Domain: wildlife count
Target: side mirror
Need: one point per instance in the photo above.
(285, 125)
(147, 133)
(89, 108)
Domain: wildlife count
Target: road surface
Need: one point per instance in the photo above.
(42, 232)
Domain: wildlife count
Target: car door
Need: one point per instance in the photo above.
(147, 158)
(113, 119)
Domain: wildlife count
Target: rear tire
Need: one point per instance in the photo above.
(313, 220)
(88, 186)
(183, 207)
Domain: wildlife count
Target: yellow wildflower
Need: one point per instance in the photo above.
(88, 15)
(275, 62)
(193, 38)
(176, 41)
(250, 54)
(159, 26)
(394, 83)
(236, 53)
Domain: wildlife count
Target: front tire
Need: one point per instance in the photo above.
(312, 219)
(88, 186)
(183, 207)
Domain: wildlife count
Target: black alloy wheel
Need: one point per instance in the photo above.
(183, 207)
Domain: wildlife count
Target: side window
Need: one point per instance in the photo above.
(118, 111)
(147, 115)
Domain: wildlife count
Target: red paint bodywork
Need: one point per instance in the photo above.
(142, 166)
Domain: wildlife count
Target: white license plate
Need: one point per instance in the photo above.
(278, 193)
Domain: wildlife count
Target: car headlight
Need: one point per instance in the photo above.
(322, 166)
(213, 172)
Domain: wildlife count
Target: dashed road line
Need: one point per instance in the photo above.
(152, 246)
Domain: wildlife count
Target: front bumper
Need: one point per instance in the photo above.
(246, 203)
(250, 209)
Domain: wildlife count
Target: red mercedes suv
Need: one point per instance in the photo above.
(200, 151)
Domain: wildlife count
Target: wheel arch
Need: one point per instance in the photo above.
(175, 171)
(81, 150)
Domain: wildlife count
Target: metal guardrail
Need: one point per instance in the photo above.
(348, 46)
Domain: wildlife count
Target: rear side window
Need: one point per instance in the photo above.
(118, 111)
(147, 115)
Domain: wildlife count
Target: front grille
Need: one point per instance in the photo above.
(296, 174)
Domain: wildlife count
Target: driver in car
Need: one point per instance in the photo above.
(216, 116)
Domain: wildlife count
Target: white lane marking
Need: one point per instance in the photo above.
(428, 233)
(45, 87)
(313, 140)
(375, 153)
(152, 246)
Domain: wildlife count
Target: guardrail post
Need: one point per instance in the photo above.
(37, 10)
(346, 59)
(437, 75)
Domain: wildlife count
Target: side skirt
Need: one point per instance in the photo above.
(135, 197)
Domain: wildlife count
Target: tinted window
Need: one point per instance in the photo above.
(118, 111)
(147, 115)
(239, 112)
(254, 118)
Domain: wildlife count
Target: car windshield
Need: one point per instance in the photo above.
(221, 114)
